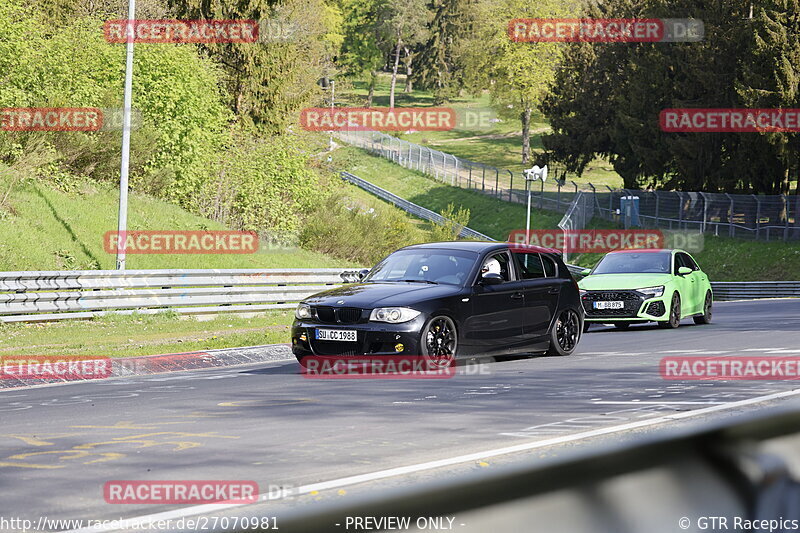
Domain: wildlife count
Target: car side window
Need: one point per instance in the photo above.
(550, 267)
(498, 263)
(530, 266)
(689, 262)
(678, 260)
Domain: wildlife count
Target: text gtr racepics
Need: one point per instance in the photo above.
(634, 286)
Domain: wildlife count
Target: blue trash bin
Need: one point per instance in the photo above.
(629, 211)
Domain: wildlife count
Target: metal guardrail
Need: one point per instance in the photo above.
(53, 295)
(751, 290)
(409, 207)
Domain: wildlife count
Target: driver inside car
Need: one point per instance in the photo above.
(491, 266)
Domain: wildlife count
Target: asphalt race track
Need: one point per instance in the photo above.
(267, 423)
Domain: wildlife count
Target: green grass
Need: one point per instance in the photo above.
(490, 216)
(121, 336)
(47, 229)
(493, 217)
(498, 143)
(724, 259)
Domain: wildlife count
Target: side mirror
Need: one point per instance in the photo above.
(491, 278)
(362, 273)
(683, 271)
(585, 272)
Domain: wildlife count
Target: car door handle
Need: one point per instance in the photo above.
(553, 290)
(516, 295)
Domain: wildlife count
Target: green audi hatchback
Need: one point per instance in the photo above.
(636, 286)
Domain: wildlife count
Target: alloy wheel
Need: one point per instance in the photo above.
(440, 340)
(567, 330)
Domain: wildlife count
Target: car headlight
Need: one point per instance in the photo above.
(393, 315)
(303, 311)
(652, 292)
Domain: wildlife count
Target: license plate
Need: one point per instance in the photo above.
(609, 305)
(345, 335)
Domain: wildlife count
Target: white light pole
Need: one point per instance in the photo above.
(122, 220)
(532, 174)
(333, 95)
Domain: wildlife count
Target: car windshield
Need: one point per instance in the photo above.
(631, 263)
(425, 266)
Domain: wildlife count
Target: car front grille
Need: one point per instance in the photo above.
(335, 348)
(632, 301)
(338, 315)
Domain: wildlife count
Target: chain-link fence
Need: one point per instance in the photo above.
(460, 172)
(747, 216)
(579, 214)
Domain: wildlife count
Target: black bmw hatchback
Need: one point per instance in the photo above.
(447, 299)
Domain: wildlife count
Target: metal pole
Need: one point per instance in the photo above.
(528, 218)
(122, 220)
(333, 85)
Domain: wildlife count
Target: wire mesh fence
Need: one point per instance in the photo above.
(746, 216)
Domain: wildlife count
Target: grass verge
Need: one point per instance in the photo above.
(131, 335)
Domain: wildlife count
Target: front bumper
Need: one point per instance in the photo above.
(372, 338)
(636, 307)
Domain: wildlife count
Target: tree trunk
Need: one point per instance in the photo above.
(525, 117)
(373, 78)
(408, 87)
(394, 72)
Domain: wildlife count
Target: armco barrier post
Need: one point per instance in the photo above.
(730, 215)
(786, 216)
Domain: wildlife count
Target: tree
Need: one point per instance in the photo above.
(517, 74)
(440, 66)
(361, 53)
(772, 79)
(270, 81)
(606, 98)
(403, 23)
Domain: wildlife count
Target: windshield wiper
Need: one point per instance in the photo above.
(416, 281)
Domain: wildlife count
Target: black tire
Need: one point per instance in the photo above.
(621, 325)
(705, 318)
(439, 339)
(565, 333)
(586, 326)
(674, 313)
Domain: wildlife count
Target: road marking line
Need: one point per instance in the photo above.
(665, 402)
(761, 349)
(451, 461)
